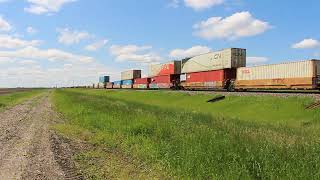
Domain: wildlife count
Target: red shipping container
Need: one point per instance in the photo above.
(142, 81)
(209, 76)
(161, 79)
(169, 68)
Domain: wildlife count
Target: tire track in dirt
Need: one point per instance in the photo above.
(26, 147)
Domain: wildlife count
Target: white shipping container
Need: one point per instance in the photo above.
(318, 67)
(301, 69)
(173, 67)
(131, 74)
(224, 59)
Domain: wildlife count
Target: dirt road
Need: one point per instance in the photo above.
(28, 148)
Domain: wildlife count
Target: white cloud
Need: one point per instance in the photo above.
(96, 45)
(69, 37)
(134, 53)
(28, 62)
(256, 60)
(67, 66)
(202, 4)
(5, 60)
(10, 42)
(54, 75)
(46, 6)
(193, 51)
(49, 54)
(4, 25)
(306, 44)
(174, 3)
(31, 30)
(238, 25)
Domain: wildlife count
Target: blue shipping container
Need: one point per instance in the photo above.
(117, 83)
(127, 82)
(104, 79)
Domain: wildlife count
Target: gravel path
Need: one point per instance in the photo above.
(27, 149)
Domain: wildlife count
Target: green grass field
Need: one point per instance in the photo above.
(182, 136)
(11, 99)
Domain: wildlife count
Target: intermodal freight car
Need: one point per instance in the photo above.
(225, 69)
(141, 83)
(291, 75)
(218, 79)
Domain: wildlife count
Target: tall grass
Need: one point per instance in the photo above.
(194, 143)
(7, 100)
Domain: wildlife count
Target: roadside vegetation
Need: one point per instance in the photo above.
(11, 99)
(182, 136)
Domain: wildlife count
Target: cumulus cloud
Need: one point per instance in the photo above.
(69, 37)
(256, 60)
(9, 42)
(4, 25)
(54, 75)
(46, 6)
(96, 45)
(193, 51)
(306, 44)
(5, 60)
(34, 53)
(241, 24)
(28, 62)
(134, 53)
(202, 4)
(31, 30)
(22, 68)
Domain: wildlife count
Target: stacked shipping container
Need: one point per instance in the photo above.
(213, 70)
(117, 84)
(104, 79)
(109, 85)
(141, 83)
(292, 75)
(128, 77)
(165, 76)
(127, 84)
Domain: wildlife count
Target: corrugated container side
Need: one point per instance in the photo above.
(203, 85)
(104, 79)
(160, 85)
(127, 82)
(131, 74)
(142, 81)
(224, 59)
(109, 85)
(117, 82)
(141, 86)
(101, 85)
(126, 86)
(208, 76)
(169, 68)
(318, 67)
(116, 86)
(275, 71)
(161, 79)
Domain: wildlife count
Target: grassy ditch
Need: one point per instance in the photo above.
(182, 136)
(11, 99)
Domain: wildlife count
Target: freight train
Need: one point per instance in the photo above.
(225, 70)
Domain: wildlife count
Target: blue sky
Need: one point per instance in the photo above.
(66, 42)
